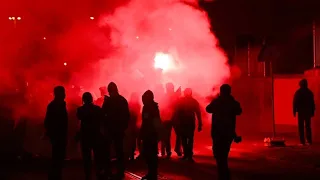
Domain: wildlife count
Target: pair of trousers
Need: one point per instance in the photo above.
(59, 146)
(304, 124)
(221, 148)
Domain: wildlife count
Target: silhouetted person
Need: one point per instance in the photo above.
(304, 105)
(224, 110)
(149, 133)
(135, 109)
(91, 137)
(103, 93)
(56, 126)
(116, 110)
(168, 109)
(187, 110)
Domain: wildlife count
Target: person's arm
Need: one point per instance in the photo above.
(48, 117)
(157, 120)
(238, 109)
(210, 108)
(313, 105)
(294, 103)
(126, 113)
(198, 114)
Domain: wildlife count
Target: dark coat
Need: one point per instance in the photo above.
(117, 114)
(224, 110)
(151, 122)
(56, 120)
(90, 116)
(303, 102)
(187, 110)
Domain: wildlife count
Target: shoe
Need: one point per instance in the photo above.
(179, 154)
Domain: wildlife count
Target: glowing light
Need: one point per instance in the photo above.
(92, 18)
(65, 64)
(170, 29)
(137, 37)
(18, 18)
(44, 38)
(10, 18)
(13, 18)
(163, 61)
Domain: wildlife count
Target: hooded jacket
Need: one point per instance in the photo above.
(151, 122)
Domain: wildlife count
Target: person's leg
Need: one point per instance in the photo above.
(184, 141)
(118, 143)
(58, 155)
(98, 152)
(308, 129)
(221, 152)
(301, 129)
(86, 156)
(177, 148)
(150, 148)
(190, 144)
(168, 129)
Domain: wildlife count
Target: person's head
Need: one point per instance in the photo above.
(103, 90)
(87, 98)
(59, 93)
(147, 97)
(188, 92)
(113, 89)
(170, 88)
(303, 83)
(225, 90)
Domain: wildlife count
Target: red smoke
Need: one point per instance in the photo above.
(119, 46)
(141, 29)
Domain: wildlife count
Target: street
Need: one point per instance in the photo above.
(248, 160)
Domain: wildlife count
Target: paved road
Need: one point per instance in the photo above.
(248, 161)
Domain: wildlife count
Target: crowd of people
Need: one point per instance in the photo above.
(104, 122)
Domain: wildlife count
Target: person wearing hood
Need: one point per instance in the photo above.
(117, 116)
(91, 137)
(56, 127)
(224, 110)
(149, 133)
(304, 105)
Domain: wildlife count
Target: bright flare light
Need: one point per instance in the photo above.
(163, 61)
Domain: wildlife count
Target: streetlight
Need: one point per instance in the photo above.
(92, 18)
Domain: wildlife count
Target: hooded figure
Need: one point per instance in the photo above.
(117, 115)
(56, 126)
(91, 139)
(224, 110)
(149, 133)
(304, 105)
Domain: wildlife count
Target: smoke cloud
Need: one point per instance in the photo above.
(120, 45)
